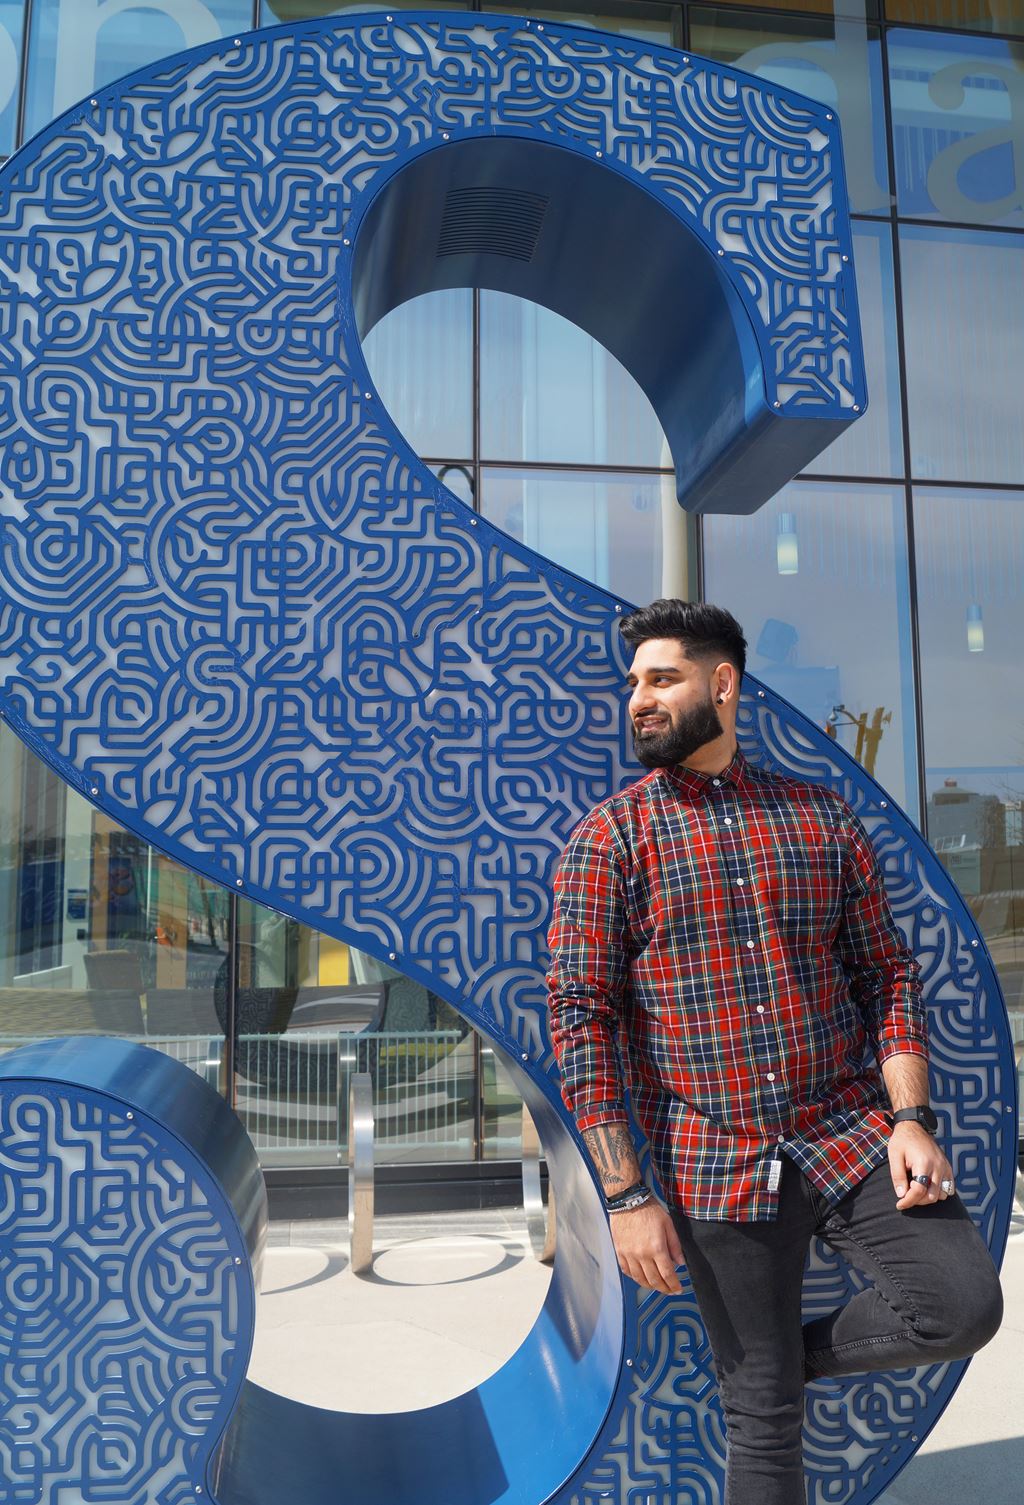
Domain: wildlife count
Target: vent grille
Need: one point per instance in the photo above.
(491, 222)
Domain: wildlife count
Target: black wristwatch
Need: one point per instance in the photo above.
(921, 1115)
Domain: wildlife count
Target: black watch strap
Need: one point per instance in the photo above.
(921, 1115)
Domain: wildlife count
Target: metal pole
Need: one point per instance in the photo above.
(540, 1222)
(231, 1001)
(478, 1097)
(360, 1172)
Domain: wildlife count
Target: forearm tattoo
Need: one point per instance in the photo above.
(614, 1156)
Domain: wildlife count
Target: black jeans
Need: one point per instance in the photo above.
(934, 1297)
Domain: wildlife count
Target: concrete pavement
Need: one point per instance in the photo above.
(452, 1295)
(450, 1298)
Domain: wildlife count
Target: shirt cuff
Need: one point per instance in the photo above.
(601, 1113)
(902, 1045)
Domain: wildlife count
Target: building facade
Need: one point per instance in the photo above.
(880, 591)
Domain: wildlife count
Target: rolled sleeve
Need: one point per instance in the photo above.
(884, 977)
(588, 970)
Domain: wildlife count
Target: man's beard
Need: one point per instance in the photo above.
(680, 739)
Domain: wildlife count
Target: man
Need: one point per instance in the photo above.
(730, 931)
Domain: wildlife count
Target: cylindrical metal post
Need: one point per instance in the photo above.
(231, 1002)
(540, 1221)
(360, 1172)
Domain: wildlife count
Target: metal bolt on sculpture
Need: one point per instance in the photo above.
(242, 618)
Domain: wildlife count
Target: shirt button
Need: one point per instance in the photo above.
(728, 820)
(740, 882)
(771, 1076)
(716, 782)
(751, 945)
(760, 1008)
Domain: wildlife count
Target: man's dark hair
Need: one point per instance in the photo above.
(703, 631)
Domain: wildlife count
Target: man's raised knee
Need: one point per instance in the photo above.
(972, 1319)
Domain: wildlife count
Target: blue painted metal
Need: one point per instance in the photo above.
(516, 1437)
(545, 218)
(245, 620)
(131, 1237)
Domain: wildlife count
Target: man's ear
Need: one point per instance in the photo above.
(725, 682)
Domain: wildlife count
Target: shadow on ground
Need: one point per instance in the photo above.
(992, 1472)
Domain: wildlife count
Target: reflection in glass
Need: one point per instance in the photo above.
(78, 45)
(274, 12)
(833, 634)
(645, 21)
(549, 392)
(836, 62)
(873, 445)
(975, 15)
(420, 359)
(958, 127)
(502, 1107)
(975, 629)
(787, 545)
(458, 478)
(963, 309)
(100, 934)
(856, 8)
(624, 532)
(11, 18)
(313, 1011)
(970, 556)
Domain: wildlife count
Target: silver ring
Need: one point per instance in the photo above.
(947, 1187)
(923, 1180)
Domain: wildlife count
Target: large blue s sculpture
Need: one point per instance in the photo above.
(245, 620)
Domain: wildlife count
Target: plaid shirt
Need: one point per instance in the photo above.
(734, 935)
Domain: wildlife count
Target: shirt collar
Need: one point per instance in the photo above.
(703, 785)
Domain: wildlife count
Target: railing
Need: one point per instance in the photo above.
(292, 1090)
(204, 1054)
(292, 1093)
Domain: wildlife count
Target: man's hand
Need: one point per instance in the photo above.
(645, 1239)
(648, 1247)
(913, 1152)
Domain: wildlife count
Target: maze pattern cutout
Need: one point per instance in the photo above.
(243, 618)
(123, 1310)
(238, 612)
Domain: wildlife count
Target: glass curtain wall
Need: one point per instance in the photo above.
(918, 506)
(880, 591)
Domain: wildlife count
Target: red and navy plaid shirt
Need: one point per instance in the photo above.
(733, 934)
